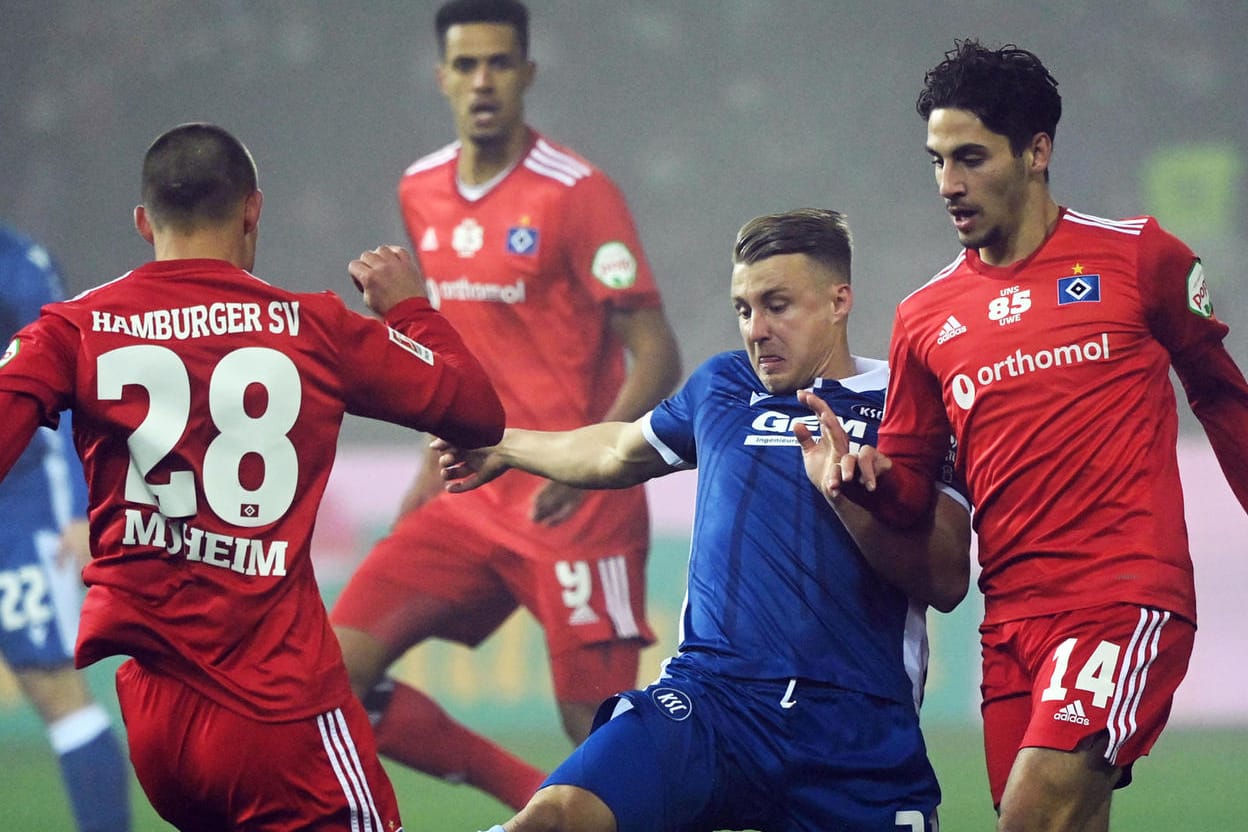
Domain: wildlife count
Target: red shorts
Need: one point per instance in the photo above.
(204, 767)
(583, 580)
(1052, 681)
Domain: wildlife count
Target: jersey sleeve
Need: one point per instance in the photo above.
(40, 362)
(669, 427)
(414, 370)
(914, 435)
(603, 247)
(1180, 314)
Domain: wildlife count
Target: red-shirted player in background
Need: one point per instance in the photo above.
(532, 253)
(206, 407)
(1046, 347)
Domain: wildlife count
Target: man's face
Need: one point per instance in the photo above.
(981, 180)
(788, 314)
(484, 76)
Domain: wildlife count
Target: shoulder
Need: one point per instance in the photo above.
(1090, 225)
(441, 157)
(942, 279)
(558, 163)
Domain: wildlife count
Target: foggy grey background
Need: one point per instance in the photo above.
(706, 112)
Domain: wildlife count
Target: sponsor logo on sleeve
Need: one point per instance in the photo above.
(1198, 299)
(614, 265)
(15, 346)
(1079, 288)
(414, 347)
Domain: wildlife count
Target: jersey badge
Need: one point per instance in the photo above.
(467, 238)
(1079, 288)
(429, 240)
(672, 703)
(14, 348)
(614, 265)
(414, 347)
(522, 240)
(756, 397)
(950, 329)
(1198, 299)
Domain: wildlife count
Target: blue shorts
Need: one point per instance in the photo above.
(694, 752)
(39, 598)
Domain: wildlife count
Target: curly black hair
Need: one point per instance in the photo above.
(1007, 88)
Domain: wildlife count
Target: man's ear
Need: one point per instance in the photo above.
(1041, 150)
(143, 224)
(251, 211)
(843, 299)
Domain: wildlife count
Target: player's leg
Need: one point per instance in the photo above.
(415, 585)
(1102, 695)
(584, 675)
(559, 808)
(92, 763)
(43, 597)
(590, 601)
(640, 770)
(1061, 791)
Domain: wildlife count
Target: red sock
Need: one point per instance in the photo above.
(416, 732)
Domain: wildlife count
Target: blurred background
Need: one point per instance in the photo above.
(707, 113)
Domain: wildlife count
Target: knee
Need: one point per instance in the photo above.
(564, 809)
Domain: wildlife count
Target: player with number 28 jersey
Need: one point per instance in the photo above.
(208, 550)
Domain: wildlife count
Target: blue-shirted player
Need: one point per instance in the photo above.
(43, 542)
(792, 703)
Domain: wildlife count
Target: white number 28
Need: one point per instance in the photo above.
(161, 372)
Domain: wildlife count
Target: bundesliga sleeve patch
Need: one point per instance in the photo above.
(414, 347)
(614, 265)
(1198, 299)
(9, 354)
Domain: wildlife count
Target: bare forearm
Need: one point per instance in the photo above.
(603, 455)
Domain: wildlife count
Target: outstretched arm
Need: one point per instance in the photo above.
(930, 560)
(654, 369)
(603, 455)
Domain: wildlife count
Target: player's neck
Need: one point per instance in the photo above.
(203, 244)
(1039, 218)
(480, 161)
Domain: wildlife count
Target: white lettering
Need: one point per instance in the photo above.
(244, 555)
(1020, 363)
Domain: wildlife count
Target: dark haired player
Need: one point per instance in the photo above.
(1045, 347)
(207, 405)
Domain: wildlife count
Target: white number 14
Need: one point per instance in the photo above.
(1096, 677)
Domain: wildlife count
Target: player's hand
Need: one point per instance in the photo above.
(75, 545)
(387, 275)
(464, 469)
(555, 502)
(829, 464)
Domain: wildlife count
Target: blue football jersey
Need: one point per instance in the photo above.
(777, 588)
(46, 485)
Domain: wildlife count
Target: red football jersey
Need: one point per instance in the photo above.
(207, 405)
(527, 272)
(1053, 375)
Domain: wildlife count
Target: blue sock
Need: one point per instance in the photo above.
(95, 772)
